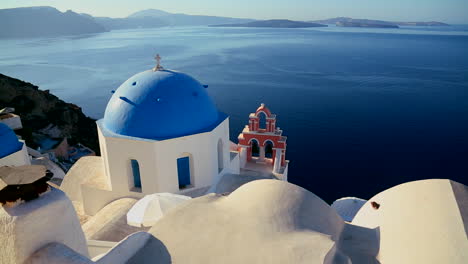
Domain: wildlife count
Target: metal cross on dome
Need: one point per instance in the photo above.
(158, 66)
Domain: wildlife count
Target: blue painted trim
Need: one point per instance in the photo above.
(183, 171)
(136, 173)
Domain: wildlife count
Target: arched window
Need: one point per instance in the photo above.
(255, 148)
(220, 156)
(136, 173)
(183, 172)
(261, 120)
(268, 149)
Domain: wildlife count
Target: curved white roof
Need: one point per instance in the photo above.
(264, 221)
(420, 222)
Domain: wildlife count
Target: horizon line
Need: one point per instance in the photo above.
(240, 17)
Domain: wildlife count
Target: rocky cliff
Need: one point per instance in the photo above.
(41, 110)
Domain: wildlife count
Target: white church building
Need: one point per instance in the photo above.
(161, 132)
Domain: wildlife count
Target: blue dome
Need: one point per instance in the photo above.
(160, 105)
(9, 142)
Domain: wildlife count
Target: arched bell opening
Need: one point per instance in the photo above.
(255, 146)
(268, 149)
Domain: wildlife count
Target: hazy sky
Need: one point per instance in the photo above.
(451, 11)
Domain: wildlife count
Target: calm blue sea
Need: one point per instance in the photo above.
(363, 109)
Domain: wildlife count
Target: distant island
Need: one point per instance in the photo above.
(352, 22)
(367, 24)
(44, 22)
(29, 22)
(424, 24)
(153, 18)
(26, 22)
(274, 23)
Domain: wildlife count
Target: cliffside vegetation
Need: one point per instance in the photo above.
(40, 109)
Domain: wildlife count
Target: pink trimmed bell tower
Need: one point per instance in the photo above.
(261, 142)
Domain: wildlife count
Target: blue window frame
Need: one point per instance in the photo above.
(183, 171)
(136, 173)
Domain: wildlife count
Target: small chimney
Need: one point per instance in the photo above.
(22, 184)
(33, 214)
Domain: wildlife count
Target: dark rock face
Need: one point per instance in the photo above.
(38, 109)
